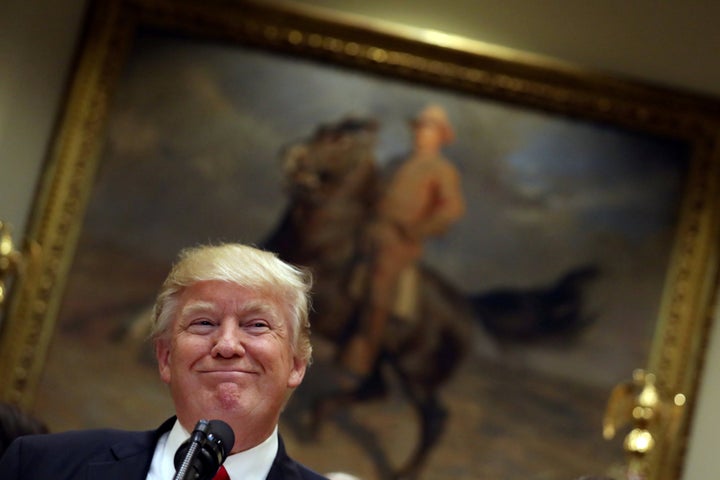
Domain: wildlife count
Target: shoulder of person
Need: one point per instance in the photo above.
(87, 440)
(308, 474)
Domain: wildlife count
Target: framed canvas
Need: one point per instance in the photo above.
(177, 125)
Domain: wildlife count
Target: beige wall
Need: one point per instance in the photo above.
(671, 42)
(665, 42)
(37, 39)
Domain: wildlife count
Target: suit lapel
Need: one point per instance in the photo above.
(130, 468)
(131, 456)
(283, 468)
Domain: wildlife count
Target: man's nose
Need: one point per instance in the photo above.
(228, 342)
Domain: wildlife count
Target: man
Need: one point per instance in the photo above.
(423, 199)
(232, 341)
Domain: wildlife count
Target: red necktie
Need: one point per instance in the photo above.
(221, 474)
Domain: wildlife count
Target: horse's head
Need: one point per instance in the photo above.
(327, 165)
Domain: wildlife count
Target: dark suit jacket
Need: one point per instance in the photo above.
(107, 455)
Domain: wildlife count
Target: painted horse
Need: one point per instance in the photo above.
(332, 182)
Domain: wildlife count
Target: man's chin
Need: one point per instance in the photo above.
(228, 396)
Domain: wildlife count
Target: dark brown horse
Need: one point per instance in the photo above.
(332, 183)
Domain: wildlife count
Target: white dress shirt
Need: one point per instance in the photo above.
(252, 464)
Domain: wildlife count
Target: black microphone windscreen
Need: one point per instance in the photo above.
(200, 456)
(224, 435)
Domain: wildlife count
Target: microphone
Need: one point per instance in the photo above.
(201, 455)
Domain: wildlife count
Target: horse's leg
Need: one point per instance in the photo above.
(433, 419)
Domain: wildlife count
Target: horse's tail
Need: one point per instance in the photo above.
(519, 314)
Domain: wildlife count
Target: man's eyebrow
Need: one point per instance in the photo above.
(259, 306)
(250, 307)
(197, 307)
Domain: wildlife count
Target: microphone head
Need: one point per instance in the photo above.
(201, 455)
(222, 437)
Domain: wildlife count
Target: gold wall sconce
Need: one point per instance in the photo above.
(10, 259)
(649, 410)
(13, 262)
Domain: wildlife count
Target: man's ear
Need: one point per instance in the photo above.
(297, 373)
(162, 354)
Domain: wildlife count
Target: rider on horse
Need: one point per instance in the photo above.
(423, 199)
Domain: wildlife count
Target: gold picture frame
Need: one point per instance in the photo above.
(431, 59)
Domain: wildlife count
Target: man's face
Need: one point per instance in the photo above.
(428, 136)
(228, 356)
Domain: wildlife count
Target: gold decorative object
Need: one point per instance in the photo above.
(10, 259)
(651, 412)
(15, 266)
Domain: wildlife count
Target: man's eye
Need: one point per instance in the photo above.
(256, 324)
(200, 324)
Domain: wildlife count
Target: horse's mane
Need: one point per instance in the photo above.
(331, 180)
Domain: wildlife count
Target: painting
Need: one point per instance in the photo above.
(188, 147)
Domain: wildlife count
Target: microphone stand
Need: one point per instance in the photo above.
(198, 437)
